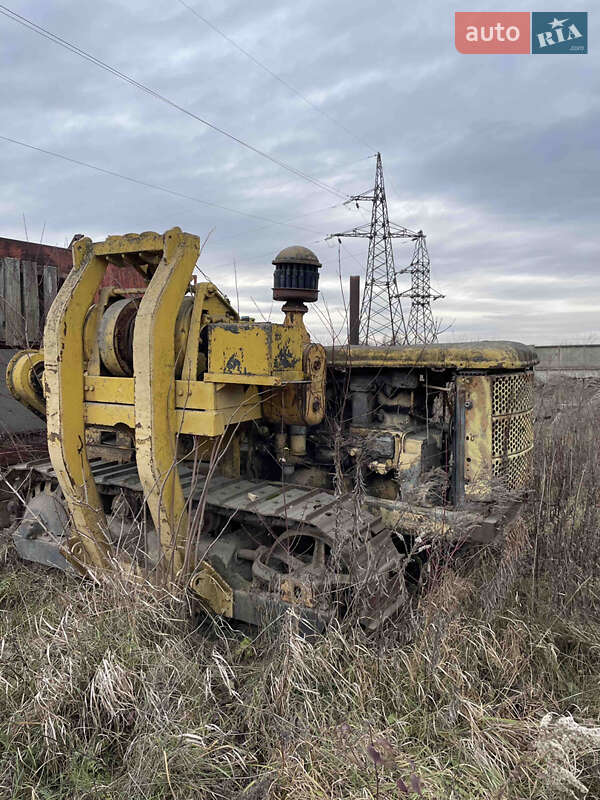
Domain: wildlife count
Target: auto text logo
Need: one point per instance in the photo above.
(521, 32)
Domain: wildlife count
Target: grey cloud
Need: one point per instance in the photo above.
(496, 158)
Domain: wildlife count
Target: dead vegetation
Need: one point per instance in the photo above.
(488, 688)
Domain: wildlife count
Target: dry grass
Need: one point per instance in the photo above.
(491, 689)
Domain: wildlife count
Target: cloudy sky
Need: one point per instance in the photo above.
(496, 158)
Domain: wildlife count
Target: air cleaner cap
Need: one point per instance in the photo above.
(296, 275)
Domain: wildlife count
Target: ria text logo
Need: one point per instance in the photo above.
(559, 33)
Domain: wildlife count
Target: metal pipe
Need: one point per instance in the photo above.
(354, 326)
(298, 440)
(247, 554)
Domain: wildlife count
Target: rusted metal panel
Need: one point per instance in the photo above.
(2, 295)
(14, 320)
(477, 465)
(55, 263)
(253, 351)
(58, 257)
(463, 355)
(494, 427)
(213, 589)
(31, 302)
(123, 278)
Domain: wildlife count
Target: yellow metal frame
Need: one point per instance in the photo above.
(154, 418)
(172, 392)
(154, 404)
(464, 355)
(19, 379)
(475, 391)
(154, 381)
(65, 417)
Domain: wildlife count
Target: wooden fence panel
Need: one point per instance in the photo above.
(50, 282)
(13, 317)
(31, 302)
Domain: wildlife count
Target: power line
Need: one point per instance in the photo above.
(307, 213)
(285, 222)
(46, 34)
(274, 75)
(156, 186)
(254, 259)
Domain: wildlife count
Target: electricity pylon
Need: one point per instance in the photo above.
(381, 316)
(421, 327)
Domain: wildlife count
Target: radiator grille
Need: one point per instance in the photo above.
(511, 434)
(514, 471)
(512, 394)
(512, 429)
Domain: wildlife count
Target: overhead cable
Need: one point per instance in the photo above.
(41, 31)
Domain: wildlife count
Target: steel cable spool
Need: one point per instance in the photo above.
(115, 336)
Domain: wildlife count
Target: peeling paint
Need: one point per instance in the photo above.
(285, 359)
(234, 365)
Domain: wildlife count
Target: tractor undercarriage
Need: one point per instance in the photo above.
(241, 460)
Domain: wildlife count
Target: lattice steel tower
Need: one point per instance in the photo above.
(381, 316)
(421, 327)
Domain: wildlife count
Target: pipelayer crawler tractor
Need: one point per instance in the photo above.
(188, 444)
